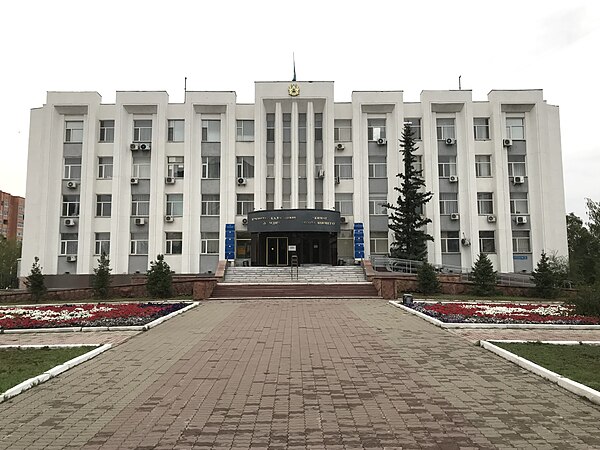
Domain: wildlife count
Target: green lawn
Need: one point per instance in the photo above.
(580, 363)
(18, 365)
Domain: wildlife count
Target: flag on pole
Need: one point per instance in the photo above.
(294, 59)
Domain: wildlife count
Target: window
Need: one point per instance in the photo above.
(105, 167)
(448, 203)
(287, 127)
(175, 130)
(418, 164)
(377, 204)
(102, 244)
(270, 201)
(302, 127)
(245, 204)
(287, 167)
(70, 206)
(175, 205)
(515, 128)
(175, 167)
(173, 243)
(139, 244)
(72, 169)
(483, 166)
(270, 127)
(318, 127)
(481, 128)
(140, 205)
(519, 203)
(209, 242)
(415, 126)
(103, 205)
(68, 244)
(142, 130)
(343, 204)
(450, 242)
(141, 168)
(377, 167)
(211, 205)
(375, 129)
(211, 167)
(379, 242)
(342, 130)
(487, 242)
(521, 241)
(270, 167)
(485, 203)
(107, 131)
(445, 129)
(74, 131)
(211, 131)
(243, 244)
(516, 166)
(446, 166)
(245, 166)
(301, 167)
(245, 131)
(343, 167)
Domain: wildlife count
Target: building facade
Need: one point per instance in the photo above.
(294, 173)
(12, 211)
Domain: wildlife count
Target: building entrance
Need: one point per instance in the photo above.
(277, 251)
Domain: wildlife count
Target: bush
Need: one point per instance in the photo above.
(546, 278)
(427, 279)
(160, 278)
(101, 277)
(484, 277)
(587, 301)
(35, 281)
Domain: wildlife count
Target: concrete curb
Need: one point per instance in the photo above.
(525, 326)
(55, 371)
(168, 316)
(568, 384)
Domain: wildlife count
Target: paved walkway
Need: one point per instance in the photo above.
(298, 374)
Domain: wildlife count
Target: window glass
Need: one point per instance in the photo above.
(483, 166)
(376, 129)
(445, 129)
(415, 126)
(245, 131)
(107, 131)
(342, 131)
(175, 131)
(515, 128)
(211, 131)
(450, 242)
(481, 128)
(142, 130)
(487, 242)
(485, 203)
(74, 131)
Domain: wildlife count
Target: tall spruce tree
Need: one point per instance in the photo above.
(35, 281)
(101, 277)
(484, 276)
(406, 219)
(159, 282)
(545, 278)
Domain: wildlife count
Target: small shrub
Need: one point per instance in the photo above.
(484, 276)
(160, 278)
(427, 280)
(101, 277)
(35, 281)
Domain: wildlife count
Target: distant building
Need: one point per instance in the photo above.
(12, 210)
(293, 173)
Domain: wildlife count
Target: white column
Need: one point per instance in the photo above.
(278, 156)
(310, 156)
(294, 159)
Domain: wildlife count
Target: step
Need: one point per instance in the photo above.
(281, 290)
(318, 274)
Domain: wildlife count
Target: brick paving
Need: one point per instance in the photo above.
(80, 337)
(298, 374)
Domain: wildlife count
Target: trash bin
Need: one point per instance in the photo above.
(407, 299)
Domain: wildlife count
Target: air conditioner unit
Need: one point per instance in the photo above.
(72, 184)
(245, 221)
(337, 180)
(134, 180)
(450, 141)
(70, 222)
(519, 180)
(321, 173)
(466, 242)
(169, 180)
(241, 181)
(454, 216)
(140, 221)
(507, 142)
(453, 179)
(491, 218)
(72, 258)
(133, 146)
(340, 147)
(342, 219)
(169, 218)
(145, 146)
(521, 219)
(381, 141)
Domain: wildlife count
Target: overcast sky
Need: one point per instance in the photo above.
(375, 45)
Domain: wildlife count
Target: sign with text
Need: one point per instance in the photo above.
(294, 220)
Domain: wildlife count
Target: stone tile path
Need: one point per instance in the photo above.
(86, 337)
(298, 374)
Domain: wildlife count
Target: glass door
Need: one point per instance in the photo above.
(277, 251)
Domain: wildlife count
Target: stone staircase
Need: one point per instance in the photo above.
(311, 281)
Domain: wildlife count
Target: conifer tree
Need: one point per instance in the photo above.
(160, 278)
(35, 281)
(406, 219)
(101, 277)
(484, 276)
(427, 280)
(545, 278)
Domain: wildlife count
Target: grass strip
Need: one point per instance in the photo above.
(580, 363)
(20, 364)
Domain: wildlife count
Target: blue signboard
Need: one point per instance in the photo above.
(229, 241)
(359, 241)
(520, 257)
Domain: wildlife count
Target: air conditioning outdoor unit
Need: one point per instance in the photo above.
(241, 181)
(507, 142)
(70, 222)
(340, 147)
(342, 219)
(454, 216)
(72, 258)
(491, 218)
(381, 141)
(133, 146)
(521, 219)
(169, 180)
(453, 179)
(519, 180)
(245, 221)
(337, 180)
(134, 180)
(466, 242)
(145, 146)
(72, 184)
(450, 141)
(321, 173)
(140, 221)
(169, 219)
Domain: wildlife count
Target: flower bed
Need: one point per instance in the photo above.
(503, 313)
(84, 315)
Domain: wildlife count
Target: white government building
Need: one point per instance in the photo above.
(294, 173)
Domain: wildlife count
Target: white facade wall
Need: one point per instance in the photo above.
(284, 187)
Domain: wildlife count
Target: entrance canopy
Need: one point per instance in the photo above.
(314, 220)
